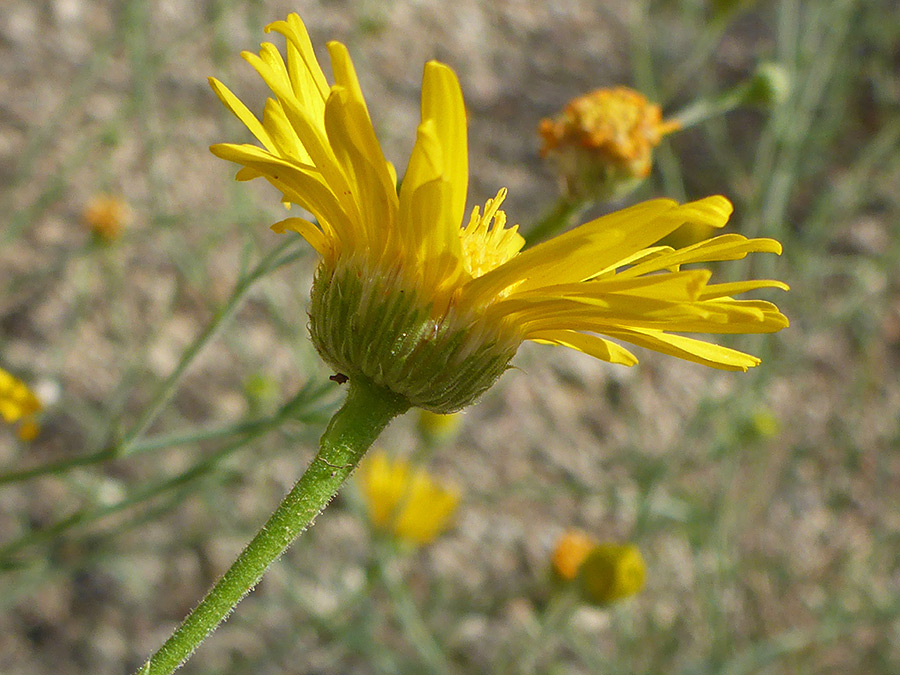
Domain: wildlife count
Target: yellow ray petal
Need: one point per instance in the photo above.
(283, 135)
(271, 67)
(374, 203)
(684, 286)
(689, 349)
(603, 314)
(635, 258)
(617, 311)
(308, 231)
(737, 287)
(424, 161)
(589, 249)
(427, 213)
(589, 344)
(345, 76)
(246, 173)
(348, 126)
(304, 186)
(295, 32)
(723, 247)
(392, 172)
(437, 232)
(310, 130)
(236, 106)
(442, 101)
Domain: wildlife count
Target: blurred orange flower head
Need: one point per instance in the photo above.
(106, 216)
(602, 143)
(570, 551)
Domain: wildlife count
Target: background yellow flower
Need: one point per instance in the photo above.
(18, 404)
(405, 500)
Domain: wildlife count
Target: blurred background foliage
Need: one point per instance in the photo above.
(182, 398)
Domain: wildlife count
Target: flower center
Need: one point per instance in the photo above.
(486, 242)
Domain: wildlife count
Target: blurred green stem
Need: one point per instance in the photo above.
(555, 615)
(273, 260)
(248, 428)
(292, 410)
(707, 108)
(367, 410)
(407, 613)
(560, 217)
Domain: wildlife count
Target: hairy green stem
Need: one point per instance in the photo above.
(367, 410)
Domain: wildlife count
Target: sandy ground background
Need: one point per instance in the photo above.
(765, 503)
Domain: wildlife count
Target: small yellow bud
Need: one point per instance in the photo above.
(261, 392)
(570, 551)
(611, 572)
(765, 423)
(106, 216)
(405, 501)
(602, 143)
(769, 85)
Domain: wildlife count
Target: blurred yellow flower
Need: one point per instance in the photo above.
(602, 143)
(570, 551)
(437, 428)
(18, 403)
(106, 216)
(611, 572)
(404, 500)
(433, 312)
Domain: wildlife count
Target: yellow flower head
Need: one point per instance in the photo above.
(407, 299)
(106, 216)
(404, 500)
(18, 403)
(602, 143)
(570, 551)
